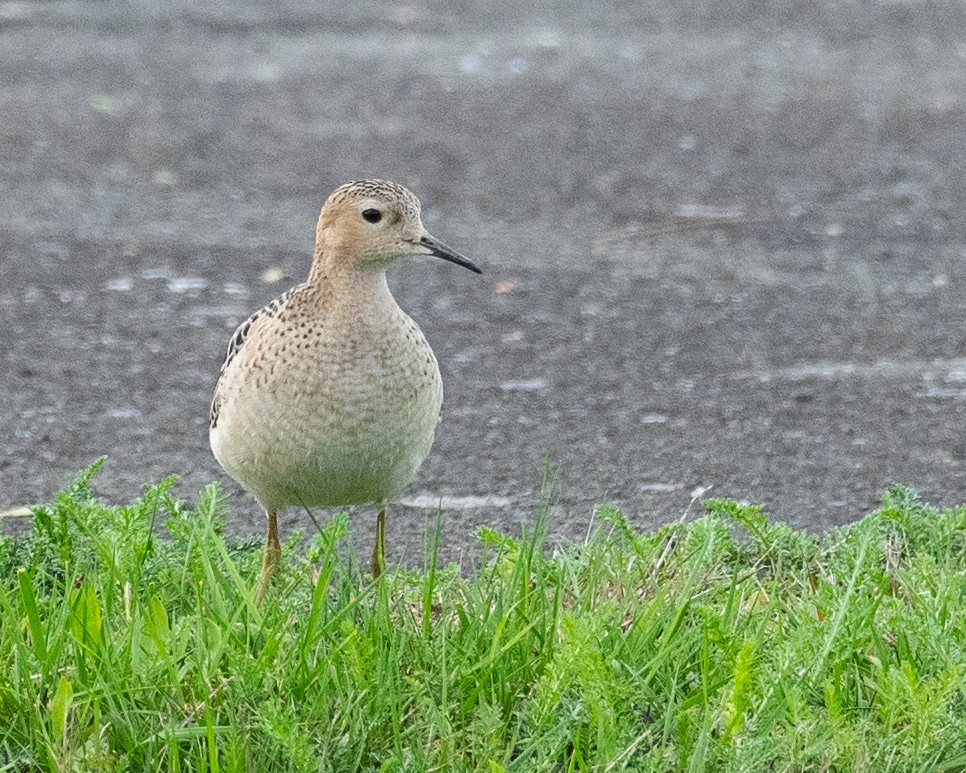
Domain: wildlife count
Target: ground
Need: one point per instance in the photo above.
(723, 247)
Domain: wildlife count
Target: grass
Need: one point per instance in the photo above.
(726, 644)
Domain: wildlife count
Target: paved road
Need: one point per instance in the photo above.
(722, 249)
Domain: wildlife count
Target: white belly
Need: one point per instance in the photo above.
(327, 425)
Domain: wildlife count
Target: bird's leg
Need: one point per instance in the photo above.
(271, 559)
(378, 561)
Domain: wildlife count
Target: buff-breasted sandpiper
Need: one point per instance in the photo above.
(330, 394)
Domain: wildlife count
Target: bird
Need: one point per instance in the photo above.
(329, 395)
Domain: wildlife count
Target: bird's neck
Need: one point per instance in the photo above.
(351, 288)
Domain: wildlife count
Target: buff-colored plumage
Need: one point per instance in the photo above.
(330, 394)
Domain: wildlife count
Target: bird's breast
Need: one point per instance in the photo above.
(326, 419)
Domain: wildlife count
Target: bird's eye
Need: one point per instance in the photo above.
(371, 215)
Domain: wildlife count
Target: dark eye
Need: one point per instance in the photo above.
(371, 215)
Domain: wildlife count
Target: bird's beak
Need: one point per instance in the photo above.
(440, 250)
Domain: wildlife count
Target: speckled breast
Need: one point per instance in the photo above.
(324, 421)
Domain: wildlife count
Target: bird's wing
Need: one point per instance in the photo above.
(238, 339)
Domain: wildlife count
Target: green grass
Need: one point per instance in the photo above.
(726, 644)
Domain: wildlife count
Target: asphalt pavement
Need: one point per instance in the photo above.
(723, 247)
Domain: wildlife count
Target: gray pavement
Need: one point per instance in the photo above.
(722, 249)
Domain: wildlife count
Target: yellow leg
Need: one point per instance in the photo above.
(271, 559)
(378, 562)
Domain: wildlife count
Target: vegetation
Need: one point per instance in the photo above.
(729, 643)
